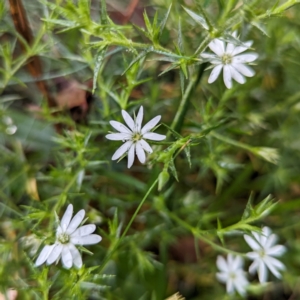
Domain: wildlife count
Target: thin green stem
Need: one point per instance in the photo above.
(117, 243)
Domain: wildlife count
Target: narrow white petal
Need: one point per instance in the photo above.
(127, 118)
(257, 237)
(86, 240)
(230, 259)
(262, 272)
(237, 76)
(273, 268)
(122, 150)
(75, 256)
(146, 146)
(119, 126)
(253, 267)
(77, 219)
(140, 152)
(237, 263)
(44, 254)
(227, 76)
(130, 156)
(275, 262)
(277, 250)
(244, 58)
(240, 287)
(217, 46)
(222, 264)
(229, 48)
(244, 69)
(222, 277)
(215, 73)
(229, 286)
(251, 242)
(66, 257)
(271, 241)
(65, 221)
(139, 120)
(253, 255)
(151, 124)
(84, 230)
(240, 49)
(209, 55)
(55, 253)
(118, 136)
(154, 136)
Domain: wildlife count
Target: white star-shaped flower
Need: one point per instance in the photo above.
(232, 274)
(228, 58)
(68, 234)
(264, 249)
(134, 136)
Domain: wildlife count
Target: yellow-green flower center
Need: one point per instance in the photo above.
(63, 238)
(226, 59)
(136, 137)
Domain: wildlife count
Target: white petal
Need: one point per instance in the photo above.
(277, 250)
(257, 237)
(118, 136)
(222, 264)
(253, 267)
(272, 239)
(229, 286)
(227, 76)
(154, 136)
(55, 253)
(44, 255)
(127, 118)
(215, 73)
(146, 146)
(65, 221)
(140, 152)
(130, 156)
(240, 286)
(275, 262)
(151, 124)
(230, 259)
(262, 272)
(209, 55)
(244, 58)
(229, 48)
(84, 230)
(122, 150)
(253, 255)
(273, 268)
(75, 256)
(77, 219)
(251, 242)
(120, 127)
(217, 46)
(237, 263)
(222, 277)
(245, 70)
(237, 76)
(240, 49)
(139, 120)
(66, 257)
(86, 240)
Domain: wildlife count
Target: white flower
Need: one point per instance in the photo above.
(134, 136)
(68, 234)
(226, 57)
(264, 249)
(232, 274)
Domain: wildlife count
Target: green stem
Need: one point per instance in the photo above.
(117, 243)
(184, 103)
(280, 9)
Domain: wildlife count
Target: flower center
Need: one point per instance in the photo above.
(226, 59)
(136, 137)
(262, 253)
(63, 238)
(232, 276)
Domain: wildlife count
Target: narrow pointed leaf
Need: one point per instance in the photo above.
(198, 18)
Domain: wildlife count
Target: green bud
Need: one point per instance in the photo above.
(163, 178)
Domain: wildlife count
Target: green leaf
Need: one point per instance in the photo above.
(198, 18)
(98, 63)
(248, 212)
(163, 178)
(140, 56)
(164, 21)
(187, 150)
(103, 14)
(261, 27)
(173, 169)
